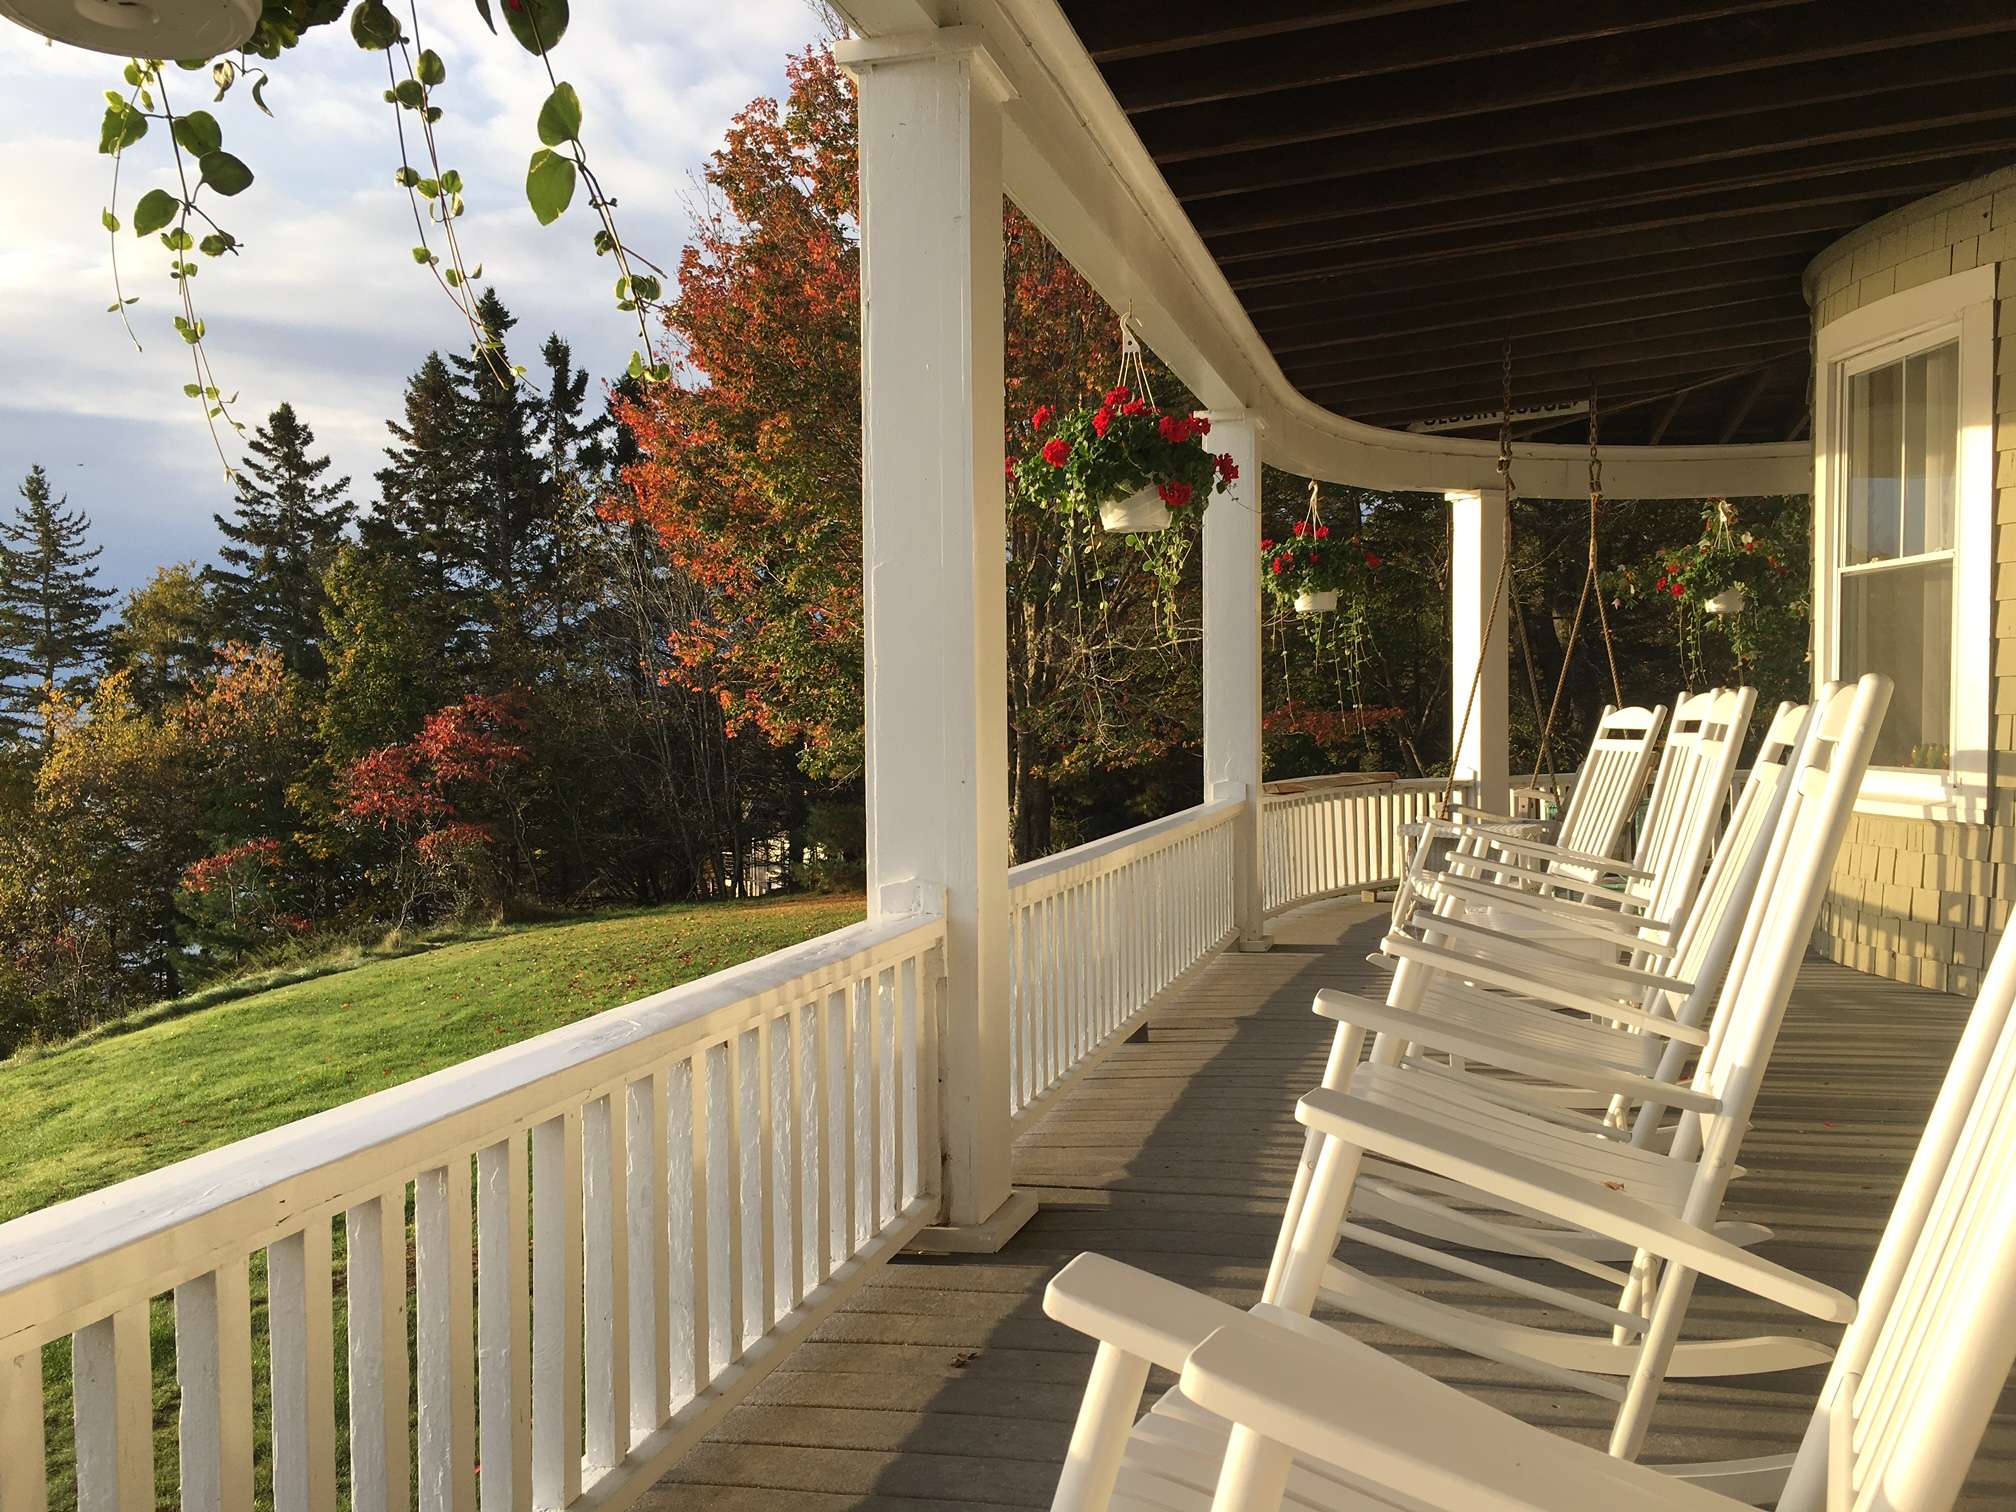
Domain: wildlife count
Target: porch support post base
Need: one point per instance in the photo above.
(1259, 945)
(987, 1237)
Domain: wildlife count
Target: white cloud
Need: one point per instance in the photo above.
(327, 309)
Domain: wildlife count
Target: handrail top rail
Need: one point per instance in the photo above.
(1123, 846)
(356, 1146)
(1295, 787)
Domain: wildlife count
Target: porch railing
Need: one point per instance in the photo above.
(1098, 930)
(615, 1230)
(1327, 835)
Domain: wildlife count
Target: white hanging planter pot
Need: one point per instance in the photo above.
(1731, 600)
(140, 28)
(1316, 601)
(1135, 514)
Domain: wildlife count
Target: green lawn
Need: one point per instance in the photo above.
(121, 1103)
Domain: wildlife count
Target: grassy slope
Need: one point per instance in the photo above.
(78, 1118)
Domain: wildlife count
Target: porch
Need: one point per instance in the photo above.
(942, 1383)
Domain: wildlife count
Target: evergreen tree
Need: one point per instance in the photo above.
(280, 539)
(422, 506)
(508, 508)
(52, 610)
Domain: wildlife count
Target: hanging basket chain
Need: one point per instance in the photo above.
(1504, 568)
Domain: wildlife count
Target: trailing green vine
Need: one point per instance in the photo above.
(435, 192)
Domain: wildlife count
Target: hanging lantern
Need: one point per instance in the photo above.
(1135, 513)
(140, 28)
(1731, 600)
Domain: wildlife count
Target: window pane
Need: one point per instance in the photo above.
(1899, 621)
(1903, 428)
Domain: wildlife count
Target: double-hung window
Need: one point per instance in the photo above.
(1904, 533)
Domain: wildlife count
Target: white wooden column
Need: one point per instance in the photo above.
(1477, 521)
(1232, 660)
(935, 573)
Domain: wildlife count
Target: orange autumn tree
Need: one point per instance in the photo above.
(750, 469)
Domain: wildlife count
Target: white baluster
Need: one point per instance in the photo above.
(445, 1335)
(556, 1311)
(24, 1480)
(504, 1325)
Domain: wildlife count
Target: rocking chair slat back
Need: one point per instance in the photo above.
(1704, 738)
(1924, 1364)
(1612, 777)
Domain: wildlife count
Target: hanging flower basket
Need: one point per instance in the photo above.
(1124, 460)
(1731, 600)
(140, 28)
(1310, 570)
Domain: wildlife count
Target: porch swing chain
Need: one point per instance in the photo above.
(1511, 490)
(1589, 586)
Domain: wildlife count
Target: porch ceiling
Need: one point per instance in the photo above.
(1627, 189)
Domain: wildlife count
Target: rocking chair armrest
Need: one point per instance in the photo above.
(1568, 1198)
(1538, 956)
(1547, 990)
(1591, 891)
(1561, 913)
(1384, 1424)
(1137, 1313)
(1563, 855)
(1509, 1052)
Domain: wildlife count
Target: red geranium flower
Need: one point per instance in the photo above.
(1101, 421)
(1227, 468)
(1322, 532)
(1301, 527)
(1009, 469)
(1119, 395)
(1280, 564)
(1042, 417)
(1678, 591)
(1175, 493)
(1371, 559)
(1133, 406)
(1200, 425)
(1266, 545)
(1056, 451)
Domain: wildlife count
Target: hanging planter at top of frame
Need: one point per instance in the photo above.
(1124, 460)
(1307, 570)
(140, 28)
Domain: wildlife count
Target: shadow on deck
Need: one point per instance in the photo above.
(942, 1383)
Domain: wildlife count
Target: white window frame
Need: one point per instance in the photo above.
(1962, 308)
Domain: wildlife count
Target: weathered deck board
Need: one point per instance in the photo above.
(943, 1384)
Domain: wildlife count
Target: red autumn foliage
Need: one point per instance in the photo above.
(462, 751)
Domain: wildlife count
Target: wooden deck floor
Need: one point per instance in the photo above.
(944, 1385)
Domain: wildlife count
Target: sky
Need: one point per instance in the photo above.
(326, 309)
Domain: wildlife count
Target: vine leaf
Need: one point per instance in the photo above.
(549, 181)
(373, 27)
(225, 173)
(560, 116)
(156, 209)
(483, 10)
(198, 133)
(122, 127)
(537, 24)
(431, 69)
(259, 94)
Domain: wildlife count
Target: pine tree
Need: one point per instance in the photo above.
(422, 506)
(281, 537)
(508, 509)
(52, 611)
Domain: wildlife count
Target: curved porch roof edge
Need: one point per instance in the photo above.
(1074, 164)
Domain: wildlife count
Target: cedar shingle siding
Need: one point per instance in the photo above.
(1917, 900)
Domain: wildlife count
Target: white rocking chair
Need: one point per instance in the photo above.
(1569, 1026)
(1566, 1178)
(1499, 885)
(1272, 1407)
(1604, 798)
